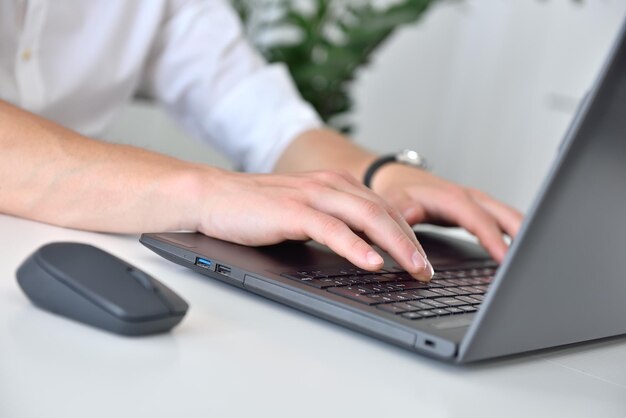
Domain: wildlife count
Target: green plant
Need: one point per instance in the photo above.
(327, 42)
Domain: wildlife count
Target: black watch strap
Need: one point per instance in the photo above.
(373, 168)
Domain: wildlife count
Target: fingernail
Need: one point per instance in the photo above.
(422, 265)
(419, 262)
(374, 258)
(430, 270)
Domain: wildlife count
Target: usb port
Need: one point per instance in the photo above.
(222, 269)
(204, 263)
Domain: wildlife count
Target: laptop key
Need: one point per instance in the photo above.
(458, 291)
(318, 273)
(354, 272)
(355, 280)
(440, 312)
(318, 283)
(298, 277)
(433, 285)
(468, 299)
(433, 303)
(383, 278)
(392, 308)
(407, 306)
(419, 305)
(445, 283)
(423, 293)
(343, 281)
(350, 293)
(394, 269)
(468, 308)
(361, 290)
(412, 285)
(382, 287)
(442, 292)
(481, 288)
(333, 272)
(451, 301)
(303, 274)
(412, 315)
(325, 282)
(470, 289)
(454, 310)
(398, 296)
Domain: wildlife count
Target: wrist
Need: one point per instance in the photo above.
(191, 189)
(386, 176)
(395, 163)
(324, 149)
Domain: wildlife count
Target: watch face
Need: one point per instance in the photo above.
(411, 157)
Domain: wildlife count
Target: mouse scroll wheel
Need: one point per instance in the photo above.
(142, 278)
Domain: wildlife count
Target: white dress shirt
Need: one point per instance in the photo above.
(78, 62)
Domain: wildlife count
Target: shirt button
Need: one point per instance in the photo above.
(27, 55)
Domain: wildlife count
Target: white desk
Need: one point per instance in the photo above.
(236, 354)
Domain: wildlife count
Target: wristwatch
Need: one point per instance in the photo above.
(406, 157)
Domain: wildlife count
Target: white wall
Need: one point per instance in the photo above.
(484, 88)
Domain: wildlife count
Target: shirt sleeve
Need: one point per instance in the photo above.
(208, 77)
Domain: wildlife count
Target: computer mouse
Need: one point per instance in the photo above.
(89, 285)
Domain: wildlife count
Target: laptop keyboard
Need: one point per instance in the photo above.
(450, 292)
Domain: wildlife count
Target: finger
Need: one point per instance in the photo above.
(508, 218)
(335, 234)
(466, 213)
(368, 216)
(412, 211)
(347, 183)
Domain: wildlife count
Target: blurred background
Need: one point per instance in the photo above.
(485, 89)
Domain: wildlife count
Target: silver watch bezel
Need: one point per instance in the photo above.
(412, 158)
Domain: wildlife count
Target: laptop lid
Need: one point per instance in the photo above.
(564, 280)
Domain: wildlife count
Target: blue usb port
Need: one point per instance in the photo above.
(204, 263)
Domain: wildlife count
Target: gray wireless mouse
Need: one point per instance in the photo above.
(89, 285)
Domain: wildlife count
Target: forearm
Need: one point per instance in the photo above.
(54, 175)
(324, 149)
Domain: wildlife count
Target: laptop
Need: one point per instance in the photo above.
(563, 280)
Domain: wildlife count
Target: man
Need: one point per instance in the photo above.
(66, 67)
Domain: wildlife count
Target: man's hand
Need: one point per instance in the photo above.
(418, 195)
(330, 207)
(424, 198)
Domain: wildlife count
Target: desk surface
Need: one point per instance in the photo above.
(237, 354)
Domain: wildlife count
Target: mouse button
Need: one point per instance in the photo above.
(176, 304)
(79, 264)
(141, 277)
(103, 279)
(134, 306)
